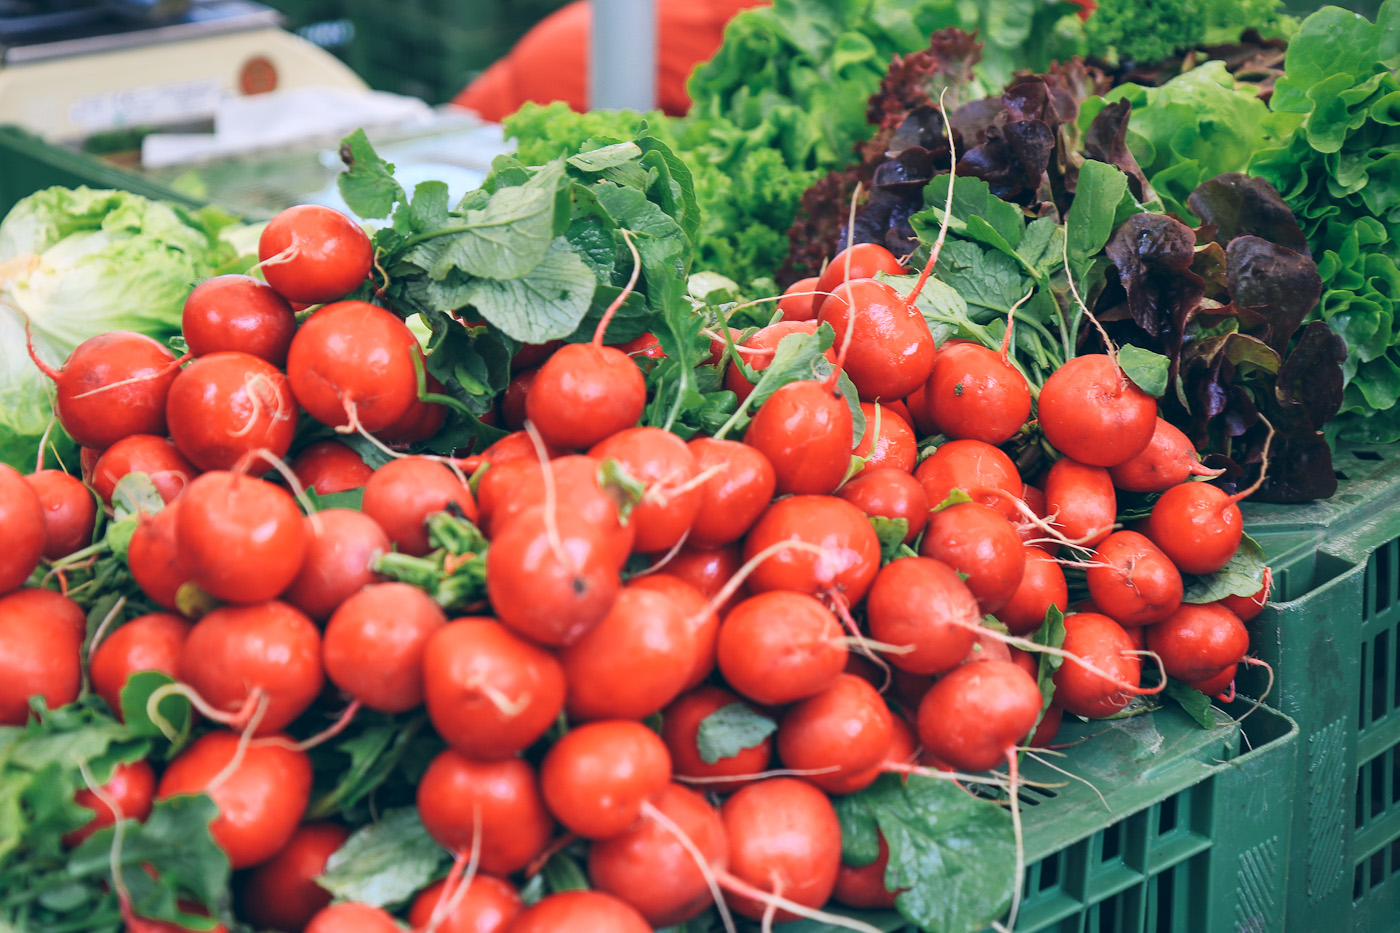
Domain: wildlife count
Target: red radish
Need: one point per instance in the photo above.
(1247, 607)
(597, 778)
(490, 693)
(1042, 586)
(864, 887)
(784, 838)
(891, 349)
(40, 655)
(424, 418)
(1031, 531)
(352, 917)
(1197, 525)
(459, 798)
(154, 557)
(352, 363)
(531, 354)
(735, 495)
(1168, 459)
(329, 467)
(718, 347)
(1091, 411)
(633, 662)
(510, 488)
(26, 529)
(916, 405)
(988, 647)
(1217, 685)
(699, 617)
(1049, 726)
(866, 260)
(805, 430)
(652, 869)
(890, 445)
(579, 912)
(846, 727)
(647, 345)
(850, 554)
(973, 716)
(513, 399)
(1196, 642)
(585, 377)
(516, 446)
(146, 643)
(53, 608)
(513, 486)
(87, 458)
(236, 651)
(889, 493)
(974, 393)
(241, 539)
(70, 512)
(979, 542)
(780, 647)
(237, 312)
(902, 751)
(798, 302)
(111, 386)
(313, 254)
(680, 728)
(1103, 643)
(282, 893)
(261, 800)
(664, 464)
(978, 469)
(551, 586)
(708, 571)
(757, 353)
(403, 493)
(135, 924)
(489, 906)
(923, 603)
(159, 459)
(131, 787)
(1080, 501)
(374, 645)
(1132, 581)
(342, 545)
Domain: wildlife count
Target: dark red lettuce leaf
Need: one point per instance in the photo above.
(1153, 254)
(1275, 281)
(1238, 205)
(1307, 395)
(1106, 141)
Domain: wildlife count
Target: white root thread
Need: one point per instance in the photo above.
(551, 501)
(666, 823)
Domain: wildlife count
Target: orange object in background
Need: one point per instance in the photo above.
(551, 61)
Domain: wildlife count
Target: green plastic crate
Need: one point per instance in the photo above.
(1333, 639)
(1194, 837)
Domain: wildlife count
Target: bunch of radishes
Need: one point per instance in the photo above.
(629, 573)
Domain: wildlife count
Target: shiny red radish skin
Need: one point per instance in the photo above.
(343, 544)
(423, 419)
(582, 911)
(923, 603)
(26, 529)
(318, 253)
(805, 430)
(146, 643)
(1081, 500)
(732, 499)
(702, 620)
(782, 829)
(891, 350)
(1197, 525)
(241, 539)
(864, 887)
(508, 489)
(973, 716)
(893, 446)
(1092, 412)
(353, 354)
(979, 542)
(978, 469)
(648, 866)
(762, 344)
(867, 261)
(40, 655)
(597, 777)
(1042, 585)
(1247, 607)
(154, 557)
(238, 312)
(352, 917)
(70, 512)
(780, 647)
(847, 726)
(1169, 458)
(708, 570)
(798, 302)
(490, 693)
(1216, 686)
(261, 801)
(169, 470)
(374, 645)
(663, 463)
(1105, 644)
(329, 467)
(404, 492)
(489, 906)
(1198, 641)
(1132, 582)
(235, 651)
(49, 608)
(457, 792)
(111, 386)
(282, 893)
(579, 378)
(513, 399)
(889, 493)
(973, 393)
(850, 549)
(132, 787)
(680, 728)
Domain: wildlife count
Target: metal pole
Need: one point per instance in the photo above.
(622, 57)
